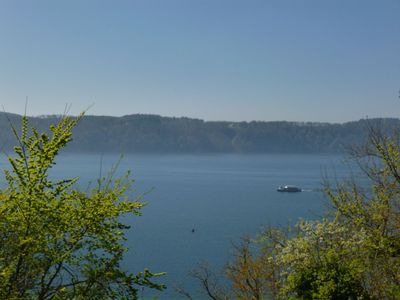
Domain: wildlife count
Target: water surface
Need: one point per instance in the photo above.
(221, 197)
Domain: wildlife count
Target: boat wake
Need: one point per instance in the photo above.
(310, 190)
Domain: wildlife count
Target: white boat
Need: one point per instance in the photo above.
(289, 189)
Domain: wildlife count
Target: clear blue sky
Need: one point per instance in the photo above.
(296, 60)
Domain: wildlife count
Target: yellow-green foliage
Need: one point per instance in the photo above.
(56, 241)
(352, 254)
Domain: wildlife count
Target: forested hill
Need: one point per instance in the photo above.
(156, 134)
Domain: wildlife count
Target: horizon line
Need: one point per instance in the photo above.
(204, 120)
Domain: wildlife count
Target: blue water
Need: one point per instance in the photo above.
(222, 197)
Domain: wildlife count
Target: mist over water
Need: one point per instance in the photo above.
(221, 197)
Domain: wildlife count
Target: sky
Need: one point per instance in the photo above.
(299, 60)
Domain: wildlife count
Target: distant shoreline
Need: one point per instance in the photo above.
(153, 134)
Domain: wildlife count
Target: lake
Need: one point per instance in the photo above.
(221, 197)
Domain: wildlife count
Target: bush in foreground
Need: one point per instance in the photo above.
(58, 242)
(354, 253)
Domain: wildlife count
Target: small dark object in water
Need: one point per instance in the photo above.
(193, 230)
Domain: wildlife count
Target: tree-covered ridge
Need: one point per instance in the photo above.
(156, 134)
